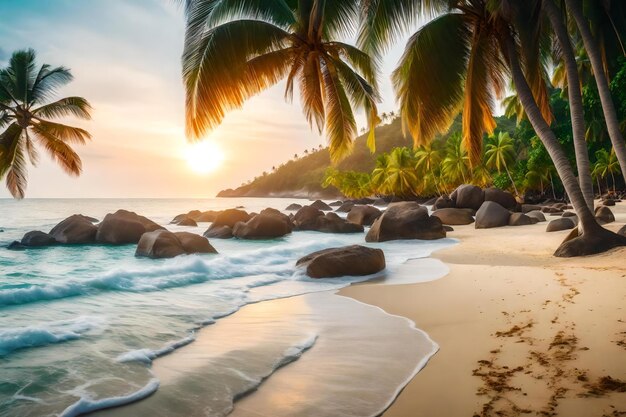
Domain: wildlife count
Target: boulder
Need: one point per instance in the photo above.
(193, 243)
(504, 198)
(306, 218)
(608, 202)
(293, 207)
(526, 208)
(159, 244)
(336, 203)
(124, 227)
(568, 214)
(604, 215)
(520, 219)
(363, 201)
(206, 216)
(443, 202)
(622, 231)
(230, 217)
(268, 224)
(536, 214)
(380, 202)
(188, 221)
(491, 214)
(36, 239)
(363, 215)
(178, 218)
(406, 220)
(219, 232)
(454, 216)
(562, 223)
(332, 223)
(320, 205)
(448, 228)
(76, 229)
(468, 196)
(551, 210)
(355, 260)
(345, 207)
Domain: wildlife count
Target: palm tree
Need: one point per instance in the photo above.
(401, 177)
(482, 43)
(575, 99)
(24, 88)
(594, 51)
(500, 154)
(380, 174)
(236, 49)
(606, 164)
(428, 158)
(455, 166)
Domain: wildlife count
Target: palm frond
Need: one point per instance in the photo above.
(69, 106)
(64, 133)
(13, 160)
(311, 91)
(47, 83)
(478, 103)
(59, 151)
(214, 69)
(340, 124)
(429, 83)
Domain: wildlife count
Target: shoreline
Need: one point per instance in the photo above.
(520, 331)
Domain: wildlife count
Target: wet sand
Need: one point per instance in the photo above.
(520, 331)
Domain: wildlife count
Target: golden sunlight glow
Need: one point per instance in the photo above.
(204, 157)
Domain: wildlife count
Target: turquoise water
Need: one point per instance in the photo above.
(81, 325)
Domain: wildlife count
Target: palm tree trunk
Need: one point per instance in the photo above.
(552, 186)
(613, 179)
(511, 178)
(549, 140)
(575, 101)
(608, 107)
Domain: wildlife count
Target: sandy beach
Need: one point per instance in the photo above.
(520, 331)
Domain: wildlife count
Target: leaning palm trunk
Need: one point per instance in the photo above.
(608, 107)
(575, 101)
(511, 178)
(594, 238)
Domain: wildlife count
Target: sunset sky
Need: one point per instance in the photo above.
(125, 57)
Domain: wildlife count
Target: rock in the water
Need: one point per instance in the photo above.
(491, 214)
(336, 203)
(188, 221)
(219, 232)
(468, 196)
(604, 215)
(76, 229)
(124, 227)
(406, 220)
(320, 205)
(206, 216)
(443, 202)
(380, 202)
(293, 207)
(536, 214)
(164, 244)
(355, 260)
(159, 244)
(193, 243)
(454, 216)
(504, 198)
(230, 217)
(306, 218)
(363, 215)
(268, 224)
(345, 207)
(562, 223)
(520, 219)
(37, 238)
(310, 218)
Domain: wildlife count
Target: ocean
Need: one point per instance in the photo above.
(85, 328)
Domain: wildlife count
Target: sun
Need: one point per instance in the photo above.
(204, 157)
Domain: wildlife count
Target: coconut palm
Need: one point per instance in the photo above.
(485, 41)
(236, 49)
(25, 89)
(595, 48)
(380, 173)
(401, 177)
(606, 164)
(428, 158)
(455, 166)
(574, 93)
(500, 154)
